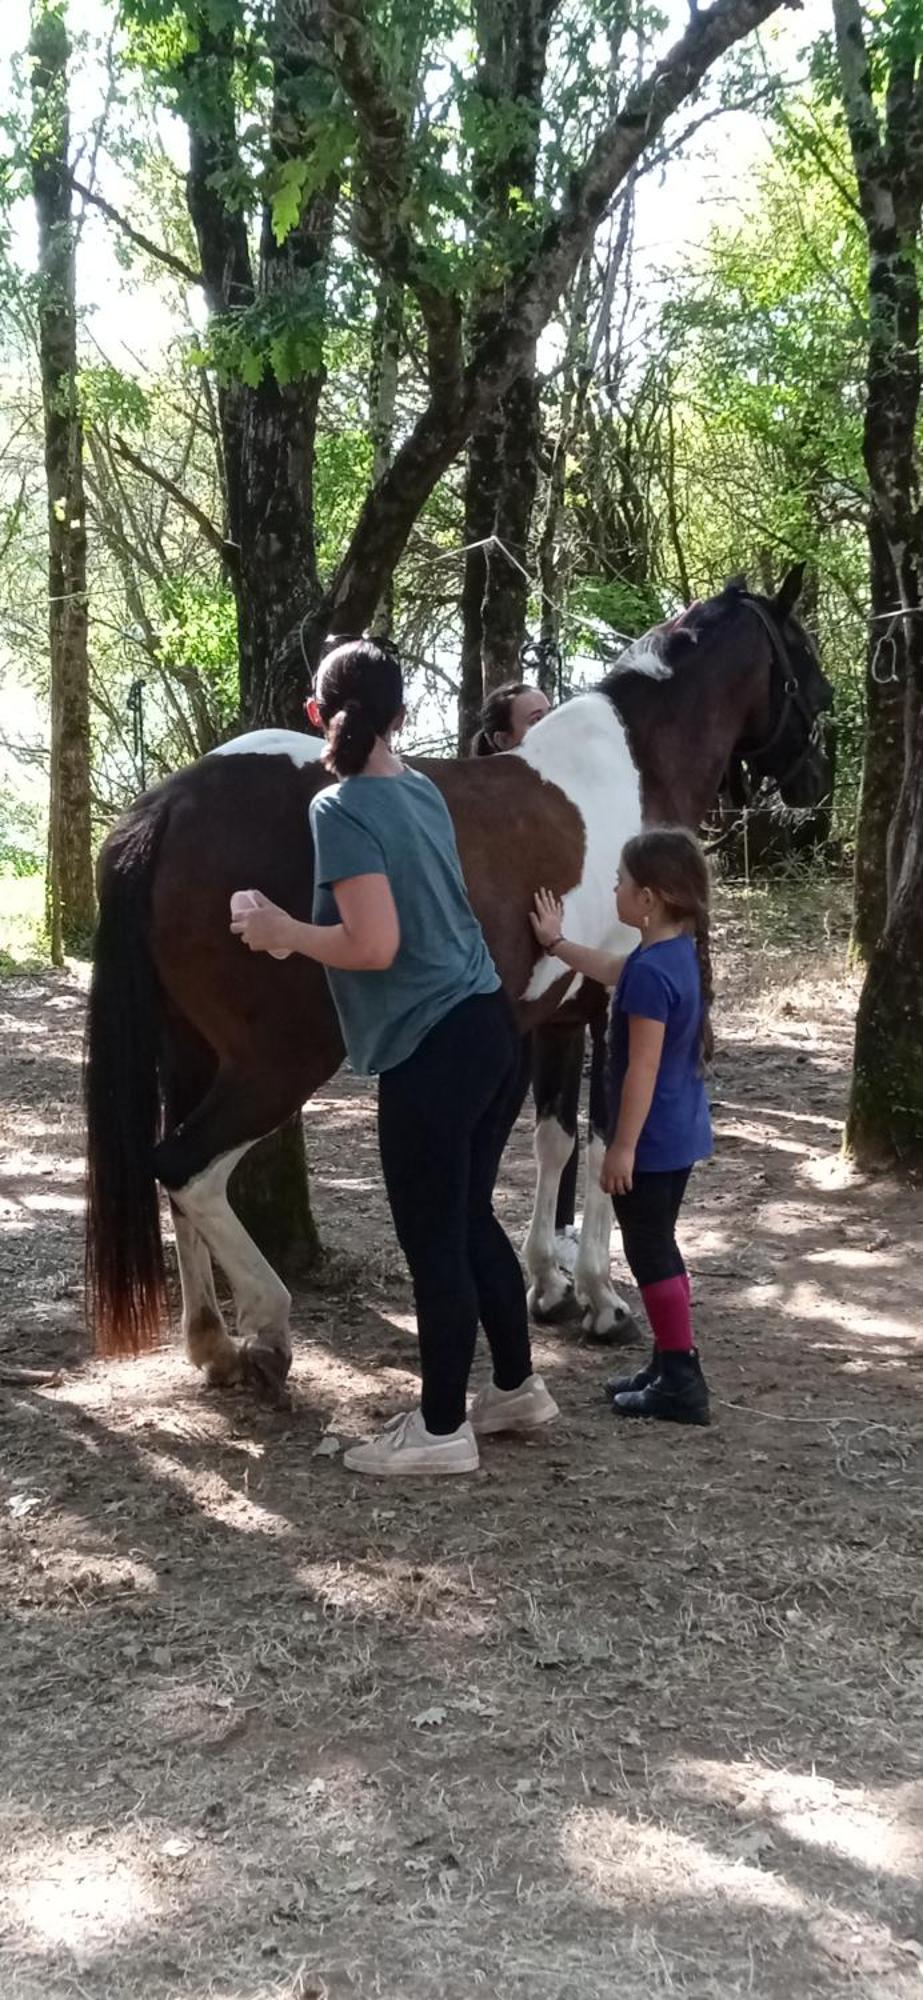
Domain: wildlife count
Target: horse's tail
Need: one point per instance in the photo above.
(125, 1279)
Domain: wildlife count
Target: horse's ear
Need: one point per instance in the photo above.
(738, 581)
(790, 590)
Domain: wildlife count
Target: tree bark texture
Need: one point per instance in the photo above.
(885, 1123)
(268, 443)
(70, 859)
(883, 750)
(502, 471)
(267, 432)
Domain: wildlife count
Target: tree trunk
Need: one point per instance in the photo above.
(506, 594)
(883, 753)
(268, 444)
(387, 335)
(481, 496)
(269, 1191)
(70, 858)
(885, 1123)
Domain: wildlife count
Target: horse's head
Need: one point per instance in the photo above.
(786, 731)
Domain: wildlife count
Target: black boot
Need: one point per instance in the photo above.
(678, 1396)
(620, 1385)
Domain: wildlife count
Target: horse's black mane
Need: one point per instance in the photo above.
(677, 647)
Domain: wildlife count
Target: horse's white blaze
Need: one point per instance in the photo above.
(582, 748)
(261, 1301)
(547, 1283)
(592, 1282)
(273, 743)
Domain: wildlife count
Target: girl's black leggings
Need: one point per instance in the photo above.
(444, 1117)
(647, 1219)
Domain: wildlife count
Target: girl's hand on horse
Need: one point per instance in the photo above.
(617, 1169)
(547, 918)
(266, 928)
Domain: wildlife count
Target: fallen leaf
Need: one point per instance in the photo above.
(330, 1446)
(430, 1718)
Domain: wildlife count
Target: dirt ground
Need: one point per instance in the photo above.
(632, 1712)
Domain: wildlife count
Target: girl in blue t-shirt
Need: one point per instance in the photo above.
(659, 1123)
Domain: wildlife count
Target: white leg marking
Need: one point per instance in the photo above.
(261, 1301)
(604, 1310)
(548, 1284)
(208, 1343)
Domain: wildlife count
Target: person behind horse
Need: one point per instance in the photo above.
(659, 1122)
(507, 716)
(421, 1007)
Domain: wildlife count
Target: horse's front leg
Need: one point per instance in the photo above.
(557, 1064)
(605, 1315)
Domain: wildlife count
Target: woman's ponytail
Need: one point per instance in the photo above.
(351, 738)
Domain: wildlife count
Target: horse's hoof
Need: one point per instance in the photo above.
(553, 1307)
(612, 1327)
(228, 1373)
(266, 1371)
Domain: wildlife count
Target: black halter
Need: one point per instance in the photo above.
(781, 663)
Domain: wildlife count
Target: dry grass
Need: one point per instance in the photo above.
(627, 1714)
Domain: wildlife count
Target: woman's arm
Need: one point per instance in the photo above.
(547, 919)
(645, 1047)
(367, 938)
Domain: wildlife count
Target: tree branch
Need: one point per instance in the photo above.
(390, 510)
(136, 236)
(213, 535)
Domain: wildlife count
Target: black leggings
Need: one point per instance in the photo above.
(647, 1219)
(444, 1117)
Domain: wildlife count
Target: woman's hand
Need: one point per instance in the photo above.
(617, 1169)
(547, 918)
(264, 927)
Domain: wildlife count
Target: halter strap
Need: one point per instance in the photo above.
(792, 698)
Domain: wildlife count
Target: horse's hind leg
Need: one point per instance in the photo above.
(195, 1163)
(188, 1067)
(208, 1342)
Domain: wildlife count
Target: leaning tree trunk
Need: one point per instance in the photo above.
(70, 858)
(885, 1122)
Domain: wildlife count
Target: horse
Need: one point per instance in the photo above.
(196, 1049)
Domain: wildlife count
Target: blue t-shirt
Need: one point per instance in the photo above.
(660, 982)
(399, 827)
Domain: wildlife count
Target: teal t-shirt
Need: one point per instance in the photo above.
(399, 827)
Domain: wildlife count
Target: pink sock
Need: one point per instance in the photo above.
(667, 1308)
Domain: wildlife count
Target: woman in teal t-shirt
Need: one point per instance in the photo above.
(421, 1007)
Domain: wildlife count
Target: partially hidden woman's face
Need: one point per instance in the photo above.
(526, 709)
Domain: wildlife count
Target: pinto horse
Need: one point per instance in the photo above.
(197, 1048)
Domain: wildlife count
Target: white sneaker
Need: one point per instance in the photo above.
(524, 1409)
(407, 1447)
